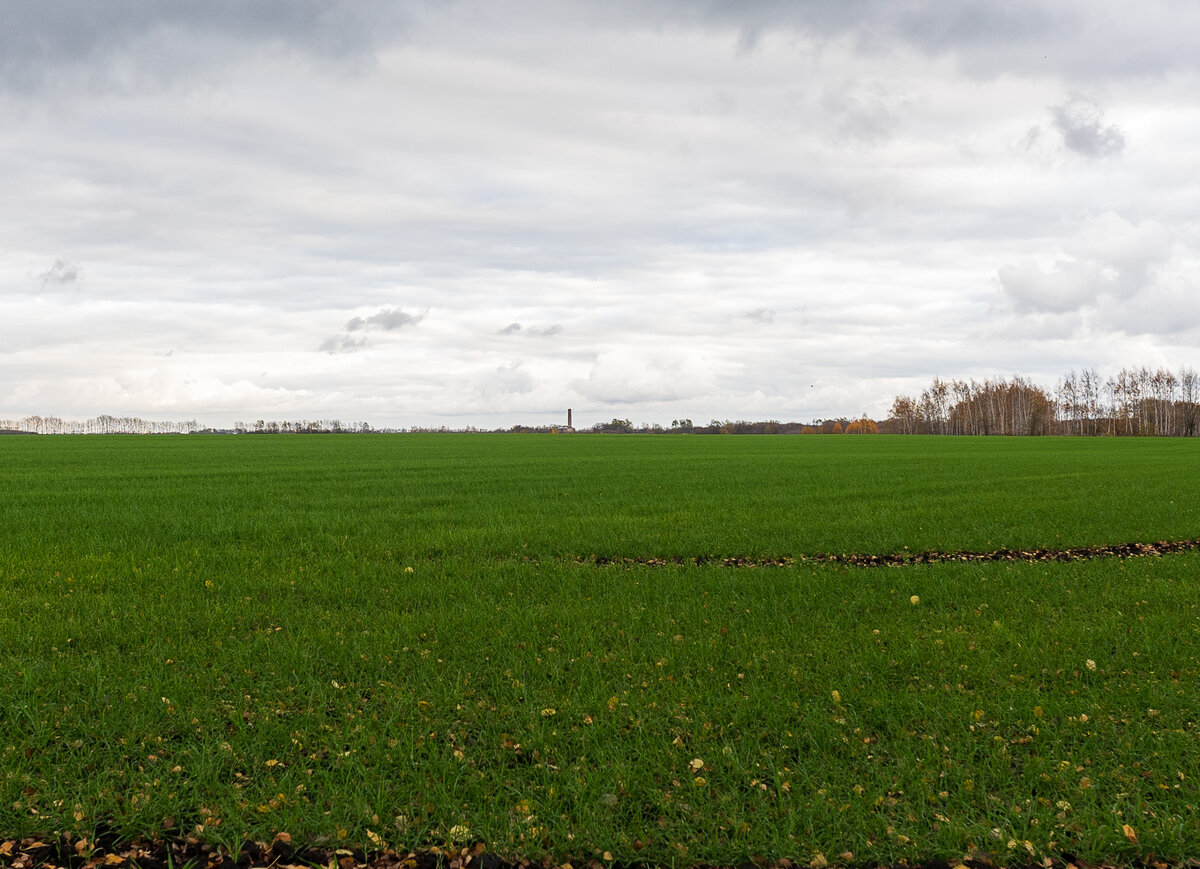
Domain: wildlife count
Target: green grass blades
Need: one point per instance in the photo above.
(350, 639)
(296, 501)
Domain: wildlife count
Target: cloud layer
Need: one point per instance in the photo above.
(484, 213)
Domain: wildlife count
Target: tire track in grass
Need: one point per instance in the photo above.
(900, 559)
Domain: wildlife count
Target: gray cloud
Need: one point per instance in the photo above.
(928, 22)
(121, 42)
(985, 38)
(865, 111)
(387, 319)
(531, 331)
(760, 315)
(128, 44)
(118, 42)
(341, 344)
(1081, 123)
(61, 272)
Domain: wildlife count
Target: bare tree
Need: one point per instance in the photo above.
(1189, 396)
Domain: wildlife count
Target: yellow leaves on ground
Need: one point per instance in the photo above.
(1130, 833)
(1013, 845)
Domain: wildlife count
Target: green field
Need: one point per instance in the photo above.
(392, 641)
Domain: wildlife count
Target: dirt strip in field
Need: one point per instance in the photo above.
(899, 559)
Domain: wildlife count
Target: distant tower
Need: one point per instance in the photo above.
(568, 417)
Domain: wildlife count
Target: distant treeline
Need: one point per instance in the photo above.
(302, 426)
(716, 427)
(135, 425)
(741, 426)
(105, 424)
(1136, 401)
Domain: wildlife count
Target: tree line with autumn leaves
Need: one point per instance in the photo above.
(1134, 402)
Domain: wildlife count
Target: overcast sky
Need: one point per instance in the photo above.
(485, 212)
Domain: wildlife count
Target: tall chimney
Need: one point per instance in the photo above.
(568, 417)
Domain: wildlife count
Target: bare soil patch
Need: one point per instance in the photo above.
(899, 559)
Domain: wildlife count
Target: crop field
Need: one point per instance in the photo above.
(601, 648)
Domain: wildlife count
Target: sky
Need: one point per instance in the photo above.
(483, 212)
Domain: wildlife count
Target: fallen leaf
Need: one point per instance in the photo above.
(1130, 833)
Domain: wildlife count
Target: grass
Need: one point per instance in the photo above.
(386, 640)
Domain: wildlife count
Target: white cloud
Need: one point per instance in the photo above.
(630, 377)
(1108, 257)
(509, 377)
(1065, 286)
